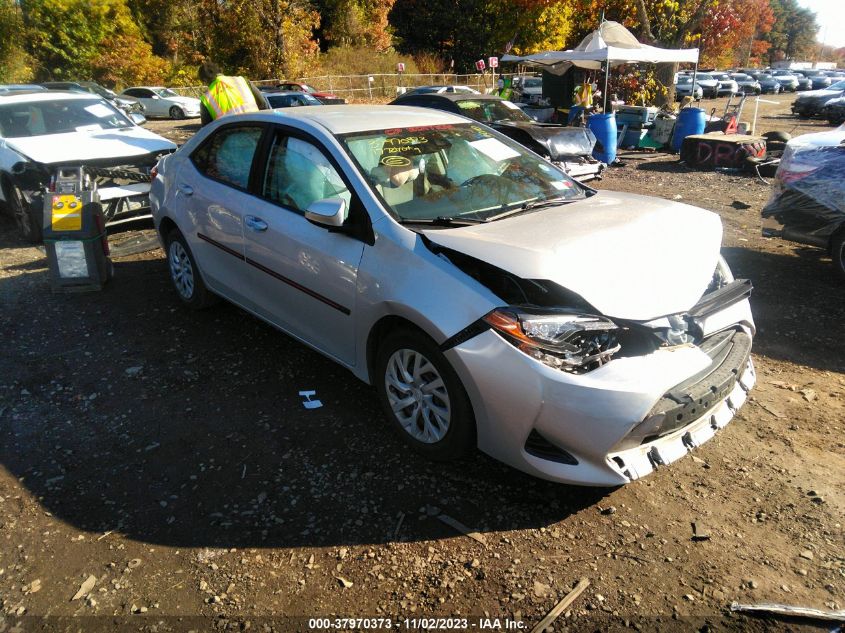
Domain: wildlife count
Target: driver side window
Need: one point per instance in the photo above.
(299, 174)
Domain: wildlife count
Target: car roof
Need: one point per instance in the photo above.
(46, 95)
(343, 119)
(457, 96)
(277, 93)
(143, 87)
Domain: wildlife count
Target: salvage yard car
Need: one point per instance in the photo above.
(570, 148)
(490, 299)
(812, 103)
(807, 205)
(43, 130)
(164, 102)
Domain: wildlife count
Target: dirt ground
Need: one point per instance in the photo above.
(165, 456)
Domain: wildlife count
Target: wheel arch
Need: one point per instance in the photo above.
(380, 329)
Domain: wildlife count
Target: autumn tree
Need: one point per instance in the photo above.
(73, 39)
(14, 61)
(793, 34)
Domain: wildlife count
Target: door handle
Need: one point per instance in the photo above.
(188, 190)
(255, 224)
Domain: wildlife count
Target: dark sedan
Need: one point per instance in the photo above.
(570, 148)
(769, 84)
(746, 83)
(290, 99)
(812, 103)
(819, 78)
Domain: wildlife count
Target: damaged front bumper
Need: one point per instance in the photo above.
(602, 427)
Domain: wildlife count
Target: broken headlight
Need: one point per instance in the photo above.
(722, 276)
(572, 342)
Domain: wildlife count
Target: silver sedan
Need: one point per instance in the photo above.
(580, 336)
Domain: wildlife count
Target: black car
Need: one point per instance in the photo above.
(812, 103)
(834, 111)
(746, 83)
(570, 148)
(768, 83)
(820, 79)
(289, 98)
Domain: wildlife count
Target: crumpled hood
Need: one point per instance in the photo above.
(630, 256)
(561, 142)
(74, 147)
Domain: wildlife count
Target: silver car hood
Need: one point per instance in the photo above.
(90, 145)
(630, 256)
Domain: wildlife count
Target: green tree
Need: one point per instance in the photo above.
(14, 61)
(73, 39)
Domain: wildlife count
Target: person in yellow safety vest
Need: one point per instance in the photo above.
(584, 95)
(227, 95)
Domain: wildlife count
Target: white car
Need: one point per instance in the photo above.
(581, 336)
(528, 89)
(164, 102)
(43, 130)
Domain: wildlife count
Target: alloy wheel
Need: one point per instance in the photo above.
(181, 270)
(418, 396)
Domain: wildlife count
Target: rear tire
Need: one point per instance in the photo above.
(436, 419)
(177, 113)
(184, 274)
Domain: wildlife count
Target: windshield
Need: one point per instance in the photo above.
(489, 111)
(165, 92)
(704, 77)
(839, 85)
(454, 171)
(684, 80)
(40, 118)
(533, 82)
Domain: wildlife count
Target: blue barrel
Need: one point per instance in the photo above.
(690, 121)
(604, 127)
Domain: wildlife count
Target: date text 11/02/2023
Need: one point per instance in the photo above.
(416, 624)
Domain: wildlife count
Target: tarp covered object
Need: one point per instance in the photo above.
(611, 43)
(809, 190)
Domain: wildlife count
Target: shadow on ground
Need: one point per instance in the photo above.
(121, 410)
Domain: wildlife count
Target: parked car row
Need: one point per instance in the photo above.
(753, 82)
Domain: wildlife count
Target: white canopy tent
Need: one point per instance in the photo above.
(610, 45)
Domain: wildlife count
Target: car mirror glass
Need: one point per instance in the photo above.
(327, 212)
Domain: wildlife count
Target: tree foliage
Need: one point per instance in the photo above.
(14, 61)
(143, 41)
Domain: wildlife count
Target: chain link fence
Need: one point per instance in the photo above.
(377, 86)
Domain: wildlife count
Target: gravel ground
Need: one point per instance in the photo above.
(158, 469)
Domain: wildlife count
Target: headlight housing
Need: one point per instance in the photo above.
(572, 342)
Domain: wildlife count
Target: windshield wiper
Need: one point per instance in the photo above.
(443, 220)
(530, 206)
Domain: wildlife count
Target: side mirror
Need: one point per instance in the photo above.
(330, 212)
(155, 97)
(137, 118)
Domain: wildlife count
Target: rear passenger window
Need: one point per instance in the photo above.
(228, 155)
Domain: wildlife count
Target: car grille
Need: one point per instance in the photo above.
(695, 397)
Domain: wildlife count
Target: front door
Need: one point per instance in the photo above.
(303, 277)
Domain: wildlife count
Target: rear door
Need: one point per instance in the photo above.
(214, 188)
(303, 277)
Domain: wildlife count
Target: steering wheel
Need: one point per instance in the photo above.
(480, 179)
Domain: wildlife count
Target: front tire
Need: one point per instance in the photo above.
(837, 253)
(26, 219)
(177, 113)
(423, 397)
(184, 274)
